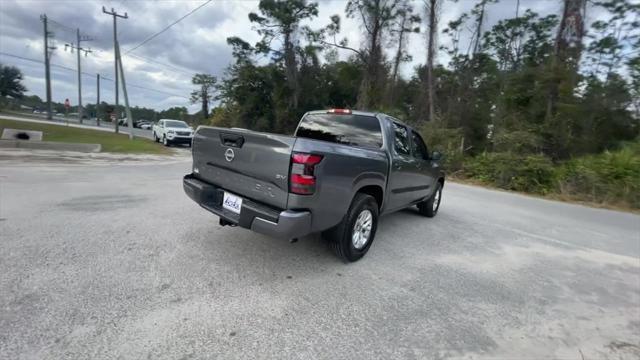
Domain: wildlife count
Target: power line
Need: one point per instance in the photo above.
(41, 62)
(62, 26)
(66, 28)
(149, 89)
(102, 77)
(167, 28)
(174, 68)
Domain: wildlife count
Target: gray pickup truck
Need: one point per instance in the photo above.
(340, 171)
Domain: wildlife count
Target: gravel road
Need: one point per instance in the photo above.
(105, 258)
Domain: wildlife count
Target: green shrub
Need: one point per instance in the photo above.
(611, 177)
(528, 173)
(447, 141)
(224, 117)
(521, 142)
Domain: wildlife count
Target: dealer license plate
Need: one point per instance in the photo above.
(232, 202)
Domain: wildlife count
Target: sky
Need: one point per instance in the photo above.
(197, 44)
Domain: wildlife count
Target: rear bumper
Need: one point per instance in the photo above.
(253, 215)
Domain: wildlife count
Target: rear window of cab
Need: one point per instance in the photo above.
(348, 129)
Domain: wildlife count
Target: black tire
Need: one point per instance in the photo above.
(341, 237)
(165, 141)
(430, 207)
(155, 137)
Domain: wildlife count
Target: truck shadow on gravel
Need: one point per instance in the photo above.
(242, 246)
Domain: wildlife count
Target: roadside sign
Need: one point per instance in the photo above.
(67, 104)
(113, 116)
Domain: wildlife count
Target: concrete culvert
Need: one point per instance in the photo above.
(22, 136)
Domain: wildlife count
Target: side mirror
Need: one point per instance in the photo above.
(436, 156)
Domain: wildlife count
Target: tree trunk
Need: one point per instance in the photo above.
(519, 43)
(477, 47)
(291, 69)
(431, 49)
(370, 79)
(396, 61)
(205, 103)
(568, 49)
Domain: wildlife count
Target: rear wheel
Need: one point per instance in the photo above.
(155, 137)
(429, 207)
(352, 238)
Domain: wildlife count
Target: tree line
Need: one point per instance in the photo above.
(529, 83)
(547, 104)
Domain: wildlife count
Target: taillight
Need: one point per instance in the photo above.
(339, 111)
(302, 179)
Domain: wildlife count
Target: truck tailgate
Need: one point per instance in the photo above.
(247, 163)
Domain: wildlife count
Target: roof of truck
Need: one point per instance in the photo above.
(355, 112)
(358, 112)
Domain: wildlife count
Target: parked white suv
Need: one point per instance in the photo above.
(170, 131)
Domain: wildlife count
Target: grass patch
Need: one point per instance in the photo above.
(111, 142)
(609, 179)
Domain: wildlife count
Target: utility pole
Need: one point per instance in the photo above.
(124, 92)
(98, 100)
(79, 48)
(79, 78)
(115, 55)
(47, 67)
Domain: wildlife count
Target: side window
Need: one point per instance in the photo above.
(419, 148)
(401, 139)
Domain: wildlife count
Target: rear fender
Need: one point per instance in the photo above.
(369, 179)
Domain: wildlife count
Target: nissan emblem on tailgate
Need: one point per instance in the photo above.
(229, 155)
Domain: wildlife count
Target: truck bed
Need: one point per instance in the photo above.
(252, 164)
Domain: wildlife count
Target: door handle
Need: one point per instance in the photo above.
(232, 140)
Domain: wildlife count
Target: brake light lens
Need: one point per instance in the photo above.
(302, 179)
(339, 111)
(307, 159)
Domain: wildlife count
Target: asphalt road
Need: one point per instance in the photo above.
(107, 258)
